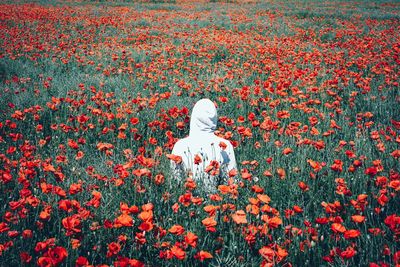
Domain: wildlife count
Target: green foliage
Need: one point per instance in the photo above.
(83, 71)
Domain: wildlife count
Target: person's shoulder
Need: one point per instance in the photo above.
(181, 143)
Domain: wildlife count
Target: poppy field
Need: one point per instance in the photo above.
(94, 95)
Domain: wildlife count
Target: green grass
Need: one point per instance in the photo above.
(112, 61)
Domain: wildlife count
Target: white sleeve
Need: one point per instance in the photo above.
(177, 169)
(232, 159)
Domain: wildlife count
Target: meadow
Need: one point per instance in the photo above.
(93, 96)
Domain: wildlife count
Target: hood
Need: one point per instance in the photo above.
(204, 117)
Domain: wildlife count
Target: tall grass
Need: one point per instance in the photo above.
(309, 95)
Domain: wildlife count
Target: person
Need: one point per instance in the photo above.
(207, 157)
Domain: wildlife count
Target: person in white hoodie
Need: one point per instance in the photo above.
(206, 156)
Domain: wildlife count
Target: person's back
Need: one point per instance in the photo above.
(207, 156)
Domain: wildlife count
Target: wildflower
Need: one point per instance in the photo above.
(191, 239)
(358, 218)
(239, 217)
(178, 253)
(113, 249)
(176, 229)
(72, 224)
(123, 220)
(348, 234)
(338, 228)
(210, 224)
(203, 255)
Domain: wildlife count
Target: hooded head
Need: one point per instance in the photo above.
(204, 117)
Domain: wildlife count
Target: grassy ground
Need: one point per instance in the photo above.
(94, 95)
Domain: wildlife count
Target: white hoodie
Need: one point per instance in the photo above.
(203, 142)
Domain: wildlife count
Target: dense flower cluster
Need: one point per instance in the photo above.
(94, 97)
